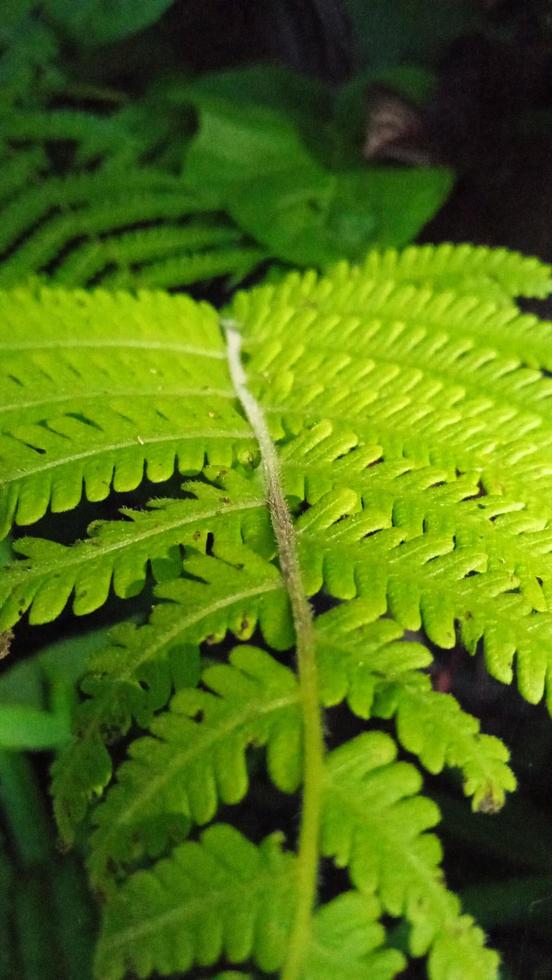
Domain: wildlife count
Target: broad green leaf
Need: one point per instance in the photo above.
(317, 216)
(100, 21)
(237, 143)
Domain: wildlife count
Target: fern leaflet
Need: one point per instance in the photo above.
(135, 676)
(246, 908)
(251, 701)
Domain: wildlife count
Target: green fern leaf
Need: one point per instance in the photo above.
(33, 207)
(461, 267)
(344, 938)
(245, 910)
(440, 583)
(369, 793)
(94, 134)
(137, 673)
(368, 796)
(135, 247)
(390, 310)
(245, 907)
(378, 672)
(50, 239)
(104, 442)
(405, 414)
(434, 728)
(117, 552)
(408, 411)
(356, 652)
(77, 227)
(252, 701)
(184, 270)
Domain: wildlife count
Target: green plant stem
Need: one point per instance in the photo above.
(23, 809)
(313, 753)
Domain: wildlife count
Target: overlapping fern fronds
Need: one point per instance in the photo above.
(88, 198)
(182, 182)
(408, 404)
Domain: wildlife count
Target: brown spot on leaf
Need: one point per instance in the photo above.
(5, 643)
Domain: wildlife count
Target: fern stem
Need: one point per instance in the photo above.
(313, 757)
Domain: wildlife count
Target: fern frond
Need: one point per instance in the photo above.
(434, 727)
(93, 134)
(118, 553)
(462, 266)
(29, 210)
(223, 861)
(369, 664)
(56, 233)
(414, 442)
(449, 326)
(356, 651)
(387, 385)
(345, 937)
(245, 910)
(184, 270)
(440, 584)
(199, 763)
(368, 797)
(135, 247)
(424, 537)
(359, 660)
(50, 450)
(135, 675)
(79, 228)
(17, 172)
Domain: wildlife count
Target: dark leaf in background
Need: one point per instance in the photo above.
(94, 22)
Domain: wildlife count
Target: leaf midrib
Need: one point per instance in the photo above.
(111, 393)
